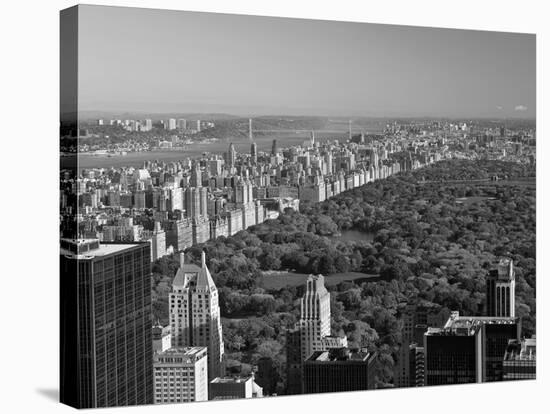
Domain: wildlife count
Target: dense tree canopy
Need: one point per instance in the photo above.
(435, 233)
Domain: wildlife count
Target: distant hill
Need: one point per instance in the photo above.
(90, 115)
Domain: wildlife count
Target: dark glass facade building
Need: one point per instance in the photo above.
(106, 340)
(467, 349)
(293, 362)
(339, 369)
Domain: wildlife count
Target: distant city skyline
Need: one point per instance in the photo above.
(150, 60)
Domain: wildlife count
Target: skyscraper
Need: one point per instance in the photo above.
(196, 202)
(467, 349)
(231, 155)
(274, 148)
(195, 313)
(106, 341)
(148, 124)
(196, 175)
(314, 320)
(501, 289)
(250, 136)
(158, 242)
(254, 152)
(181, 375)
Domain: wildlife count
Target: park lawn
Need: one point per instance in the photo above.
(278, 280)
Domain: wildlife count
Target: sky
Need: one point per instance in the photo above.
(149, 60)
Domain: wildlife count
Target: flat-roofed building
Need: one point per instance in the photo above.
(229, 388)
(106, 333)
(467, 349)
(181, 375)
(339, 369)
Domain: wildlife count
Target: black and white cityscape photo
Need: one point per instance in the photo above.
(254, 207)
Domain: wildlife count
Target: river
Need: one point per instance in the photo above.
(242, 145)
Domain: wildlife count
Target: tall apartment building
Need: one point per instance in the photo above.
(195, 313)
(231, 156)
(201, 229)
(196, 202)
(106, 342)
(467, 349)
(181, 375)
(314, 323)
(196, 176)
(158, 242)
(254, 152)
(501, 290)
(182, 124)
(339, 369)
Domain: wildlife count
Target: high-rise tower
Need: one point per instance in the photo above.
(468, 349)
(195, 313)
(106, 333)
(501, 290)
(315, 316)
(196, 176)
(254, 152)
(231, 155)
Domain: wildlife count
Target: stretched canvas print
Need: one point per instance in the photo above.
(254, 207)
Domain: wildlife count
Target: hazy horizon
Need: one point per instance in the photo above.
(163, 61)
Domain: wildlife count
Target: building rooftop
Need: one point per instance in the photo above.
(504, 270)
(468, 325)
(231, 380)
(83, 248)
(203, 277)
(181, 354)
(343, 354)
